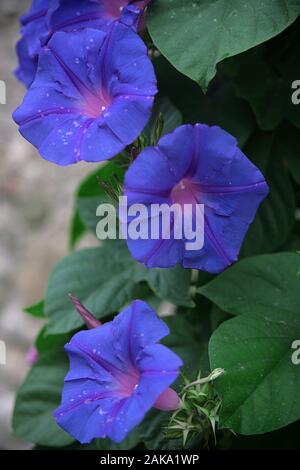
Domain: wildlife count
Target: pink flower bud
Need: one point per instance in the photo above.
(88, 318)
(167, 401)
(32, 356)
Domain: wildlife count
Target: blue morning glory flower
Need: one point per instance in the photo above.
(92, 95)
(118, 372)
(34, 34)
(196, 165)
(98, 14)
(46, 17)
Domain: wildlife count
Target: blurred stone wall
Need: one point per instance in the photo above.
(36, 200)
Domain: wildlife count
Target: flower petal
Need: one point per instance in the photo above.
(143, 182)
(35, 33)
(160, 368)
(135, 328)
(87, 417)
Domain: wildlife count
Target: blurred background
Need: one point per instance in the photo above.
(36, 200)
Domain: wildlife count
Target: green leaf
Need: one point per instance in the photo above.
(75, 446)
(171, 118)
(293, 244)
(224, 108)
(131, 441)
(284, 439)
(45, 342)
(273, 67)
(289, 148)
(260, 388)
(105, 280)
(188, 340)
(151, 429)
(195, 35)
(262, 284)
(170, 284)
(275, 218)
(89, 195)
(77, 229)
(38, 397)
(87, 207)
(220, 106)
(36, 310)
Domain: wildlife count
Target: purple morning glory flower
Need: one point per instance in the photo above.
(118, 372)
(92, 95)
(46, 17)
(196, 165)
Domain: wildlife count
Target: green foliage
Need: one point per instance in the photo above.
(260, 388)
(264, 78)
(220, 106)
(106, 279)
(45, 342)
(289, 149)
(169, 116)
(275, 219)
(36, 310)
(260, 284)
(198, 413)
(195, 35)
(37, 399)
(89, 195)
(261, 382)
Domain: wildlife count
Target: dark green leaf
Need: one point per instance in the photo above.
(45, 342)
(220, 106)
(260, 387)
(275, 219)
(38, 397)
(171, 118)
(290, 150)
(286, 438)
(171, 284)
(188, 340)
(131, 441)
(293, 244)
(264, 77)
(105, 280)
